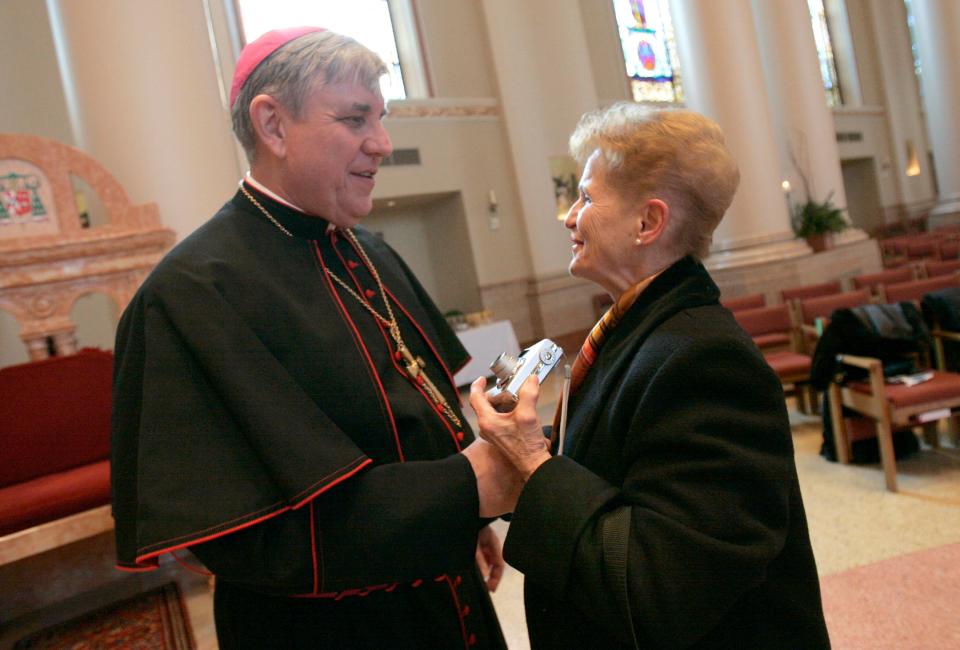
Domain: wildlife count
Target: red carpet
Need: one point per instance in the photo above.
(910, 601)
(153, 620)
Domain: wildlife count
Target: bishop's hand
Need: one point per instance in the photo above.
(498, 482)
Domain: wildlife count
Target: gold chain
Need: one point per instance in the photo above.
(414, 365)
(264, 211)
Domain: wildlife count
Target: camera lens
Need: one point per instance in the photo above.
(504, 366)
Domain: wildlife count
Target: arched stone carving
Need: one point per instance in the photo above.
(47, 258)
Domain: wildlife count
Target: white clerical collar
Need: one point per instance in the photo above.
(260, 187)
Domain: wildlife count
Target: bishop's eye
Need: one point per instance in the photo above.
(354, 121)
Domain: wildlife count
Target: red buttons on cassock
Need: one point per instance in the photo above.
(351, 264)
(466, 611)
(460, 436)
(370, 293)
(417, 582)
(457, 580)
(472, 639)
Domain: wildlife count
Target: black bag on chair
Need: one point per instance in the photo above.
(896, 335)
(943, 308)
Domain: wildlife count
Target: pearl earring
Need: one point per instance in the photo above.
(638, 241)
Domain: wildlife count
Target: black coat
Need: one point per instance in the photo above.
(677, 497)
(261, 421)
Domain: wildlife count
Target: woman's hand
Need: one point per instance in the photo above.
(517, 434)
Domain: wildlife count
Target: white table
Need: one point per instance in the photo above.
(485, 343)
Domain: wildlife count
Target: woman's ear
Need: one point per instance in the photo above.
(652, 221)
(267, 118)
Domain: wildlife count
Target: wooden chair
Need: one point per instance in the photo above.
(857, 351)
(872, 281)
(914, 290)
(771, 328)
(812, 314)
(949, 249)
(922, 247)
(810, 291)
(890, 406)
(934, 269)
(749, 301)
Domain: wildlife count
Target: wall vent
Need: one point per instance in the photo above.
(402, 157)
(849, 136)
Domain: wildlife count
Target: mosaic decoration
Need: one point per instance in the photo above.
(19, 199)
(649, 50)
(27, 208)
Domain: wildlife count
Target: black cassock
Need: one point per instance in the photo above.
(262, 421)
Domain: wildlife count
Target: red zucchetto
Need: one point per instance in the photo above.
(254, 53)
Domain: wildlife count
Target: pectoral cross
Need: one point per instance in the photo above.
(415, 366)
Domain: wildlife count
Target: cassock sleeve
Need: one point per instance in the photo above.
(704, 503)
(216, 447)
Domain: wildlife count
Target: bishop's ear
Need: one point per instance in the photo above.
(652, 221)
(267, 118)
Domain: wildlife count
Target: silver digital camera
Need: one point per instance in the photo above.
(539, 359)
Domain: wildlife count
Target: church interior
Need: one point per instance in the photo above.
(115, 144)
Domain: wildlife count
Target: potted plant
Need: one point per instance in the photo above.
(815, 221)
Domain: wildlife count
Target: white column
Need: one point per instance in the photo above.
(803, 122)
(937, 30)
(910, 179)
(723, 79)
(144, 100)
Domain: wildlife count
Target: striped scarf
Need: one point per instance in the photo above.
(591, 347)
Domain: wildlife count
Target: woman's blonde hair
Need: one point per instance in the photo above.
(680, 157)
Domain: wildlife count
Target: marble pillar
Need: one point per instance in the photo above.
(937, 32)
(723, 79)
(144, 100)
(803, 122)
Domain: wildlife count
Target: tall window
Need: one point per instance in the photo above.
(828, 67)
(367, 21)
(649, 51)
(913, 40)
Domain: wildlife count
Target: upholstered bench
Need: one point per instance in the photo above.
(54, 441)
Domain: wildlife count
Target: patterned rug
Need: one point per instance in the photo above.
(153, 620)
(908, 601)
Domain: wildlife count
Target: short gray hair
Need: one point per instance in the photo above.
(679, 156)
(295, 69)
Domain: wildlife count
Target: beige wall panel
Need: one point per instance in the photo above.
(467, 156)
(33, 99)
(456, 45)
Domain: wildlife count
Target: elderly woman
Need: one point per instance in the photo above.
(673, 517)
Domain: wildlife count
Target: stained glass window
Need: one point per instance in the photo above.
(911, 24)
(828, 67)
(368, 21)
(649, 51)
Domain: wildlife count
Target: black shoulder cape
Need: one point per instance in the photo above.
(243, 388)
